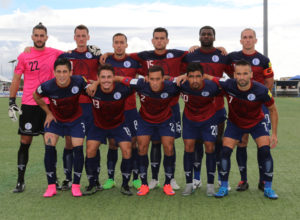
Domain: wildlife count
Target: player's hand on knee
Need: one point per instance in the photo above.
(49, 118)
(13, 109)
(273, 141)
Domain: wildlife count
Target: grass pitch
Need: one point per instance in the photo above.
(111, 204)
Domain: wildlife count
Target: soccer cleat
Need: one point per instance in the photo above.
(168, 190)
(58, 187)
(90, 190)
(110, 183)
(223, 191)
(136, 183)
(242, 186)
(197, 183)
(98, 186)
(51, 191)
(210, 190)
(188, 190)
(269, 193)
(261, 185)
(126, 191)
(144, 190)
(229, 188)
(76, 190)
(20, 187)
(174, 185)
(66, 185)
(154, 184)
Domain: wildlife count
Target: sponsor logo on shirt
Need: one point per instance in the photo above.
(215, 58)
(170, 55)
(205, 93)
(164, 95)
(133, 81)
(256, 61)
(127, 64)
(88, 55)
(75, 89)
(39, 90)
(117, 95)
(251, 97)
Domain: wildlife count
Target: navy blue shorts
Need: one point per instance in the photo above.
(120, 134)
(74, 129)
(131, 120)
(206, 130)
(267, 116)
(166, 128)
(235, 132)
(221, 116)
(87, 116)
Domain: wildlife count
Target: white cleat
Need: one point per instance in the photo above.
(197, 183)
(174, 185)
(153, 184)
(228, 188)
(210, 190)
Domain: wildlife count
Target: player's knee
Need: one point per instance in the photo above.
(189, 148)
(209, 148)
(26, 139)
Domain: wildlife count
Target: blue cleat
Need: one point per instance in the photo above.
(269, 193)
(223, 191)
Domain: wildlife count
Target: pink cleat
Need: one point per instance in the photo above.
(76, 190)
(51, 191)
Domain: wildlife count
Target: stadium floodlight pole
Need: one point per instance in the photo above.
(12, 65)
(266, 28)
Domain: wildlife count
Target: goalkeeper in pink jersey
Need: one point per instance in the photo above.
(37, 67)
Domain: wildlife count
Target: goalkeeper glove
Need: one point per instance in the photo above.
(13, 109)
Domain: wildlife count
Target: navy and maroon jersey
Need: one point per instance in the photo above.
(245, 107)
(84, 64)
(261, 65)
(214, 64)
(171, 62)
(127, 67)
(108, 108)
(155, 106)
(199, 104)
(64, 102)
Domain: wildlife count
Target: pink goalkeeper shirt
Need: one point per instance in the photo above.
(37, 67)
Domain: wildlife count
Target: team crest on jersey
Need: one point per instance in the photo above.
(117, 95)
(127, 64)
(133, 81)
(170, 55)
(39, 90)
(88, 55)
(251, 97)
(205, 93)
(28, 126)
(215, 58)
(75, 89)
(164, 95)
(255, 61)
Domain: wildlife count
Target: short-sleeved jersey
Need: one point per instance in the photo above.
(155, 106)
(214, 64)
(199, 104)
(84, 64)
(108, 108)
(261, 65)
(171, 62)
(245, 107)
(126, 67)
(37, 67)
(64, 102)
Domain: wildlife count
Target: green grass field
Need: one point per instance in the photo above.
(111, 204)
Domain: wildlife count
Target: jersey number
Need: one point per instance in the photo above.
(143, 98)
(34, 65)
(214, 130)
(185, 97)
(230, 98)
(96, 103)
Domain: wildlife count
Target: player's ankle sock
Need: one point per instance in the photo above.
(78, 163)
(97, 171)
(218, 149)
(135, 166)
(155, 157)
(168, 165)
(126, 168)
(90, 167)
(241, 158)
(198, 155)
(112, 158)
(267, 162)
(210, 167)
(68, 163)
(188, 158)
(22, 161)
(49, 161)
(143, 167)
(174, 161)
(225, 163)
(260, 167)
